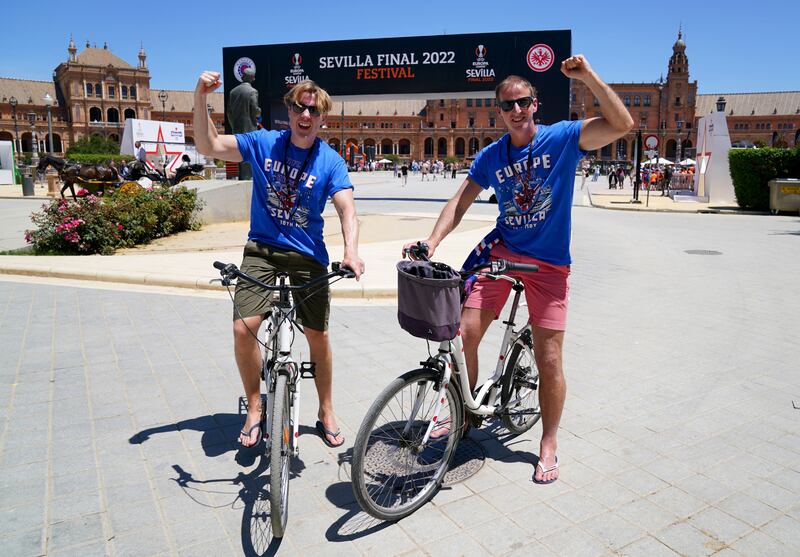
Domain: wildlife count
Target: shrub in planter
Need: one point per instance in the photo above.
(74, 227)
(101, 224)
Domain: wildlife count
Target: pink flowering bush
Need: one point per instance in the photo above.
(101, 224)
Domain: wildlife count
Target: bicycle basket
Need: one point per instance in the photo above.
(428, 299)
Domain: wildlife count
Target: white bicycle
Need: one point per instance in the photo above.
(408, 438)
(281, 374)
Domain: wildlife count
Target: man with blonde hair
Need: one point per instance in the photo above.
(294, 173)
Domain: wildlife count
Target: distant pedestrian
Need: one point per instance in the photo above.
(596, 173)
(404, 173)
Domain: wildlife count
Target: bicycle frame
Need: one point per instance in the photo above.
(451, 354)
(280, 332)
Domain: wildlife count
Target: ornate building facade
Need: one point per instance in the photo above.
(93, 92)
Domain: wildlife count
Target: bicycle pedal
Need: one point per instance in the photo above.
(242, 405)
(308, 370)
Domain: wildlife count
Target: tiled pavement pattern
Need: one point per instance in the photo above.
(679, 436)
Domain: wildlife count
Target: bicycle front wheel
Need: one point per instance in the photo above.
(393, 472)
(520, 392)
(279, 459)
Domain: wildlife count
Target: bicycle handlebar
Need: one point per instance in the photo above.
(229, 271)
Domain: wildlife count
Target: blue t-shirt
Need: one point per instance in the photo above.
(286, 208)
(535, 214)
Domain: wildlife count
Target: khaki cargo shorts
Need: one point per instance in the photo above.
(263, 262)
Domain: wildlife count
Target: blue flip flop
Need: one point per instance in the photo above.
(249, 435)
(324, 432)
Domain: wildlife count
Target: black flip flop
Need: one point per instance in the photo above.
(324, 432)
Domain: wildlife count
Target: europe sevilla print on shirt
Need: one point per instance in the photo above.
(287, 200)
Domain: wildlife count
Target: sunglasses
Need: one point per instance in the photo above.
(523, 102)
(299, 108)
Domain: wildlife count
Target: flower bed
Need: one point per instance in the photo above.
(103, 224)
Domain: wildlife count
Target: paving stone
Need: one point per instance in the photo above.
(759, 543)
(687, 540)
(23, 517)
(76, 531)
(647, 547)
(23, 543)
(719, 525)
(144, 542)
(614, 531)
(575, 541)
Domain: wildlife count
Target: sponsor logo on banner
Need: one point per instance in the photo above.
(296, 72)
(480, 71)
(241, 65)
(540, 57)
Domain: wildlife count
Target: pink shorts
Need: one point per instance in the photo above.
(547, 292)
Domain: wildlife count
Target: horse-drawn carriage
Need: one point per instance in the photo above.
(99, 177)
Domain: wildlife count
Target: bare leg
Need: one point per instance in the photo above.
(474, 323)
(320, 347)
(547, 345)
(248, 359)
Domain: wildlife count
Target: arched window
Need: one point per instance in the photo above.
(113, 115)
(474, 145)
(133, 91)
(672, 149)
(404, 147)
(386, 147)
(95, 114)
(89, 89)
(98, 91)
(130, 113)
(605, 152)
(487, 141)
(124, 91)
(460, 144)
(428, 150)
(441, 147)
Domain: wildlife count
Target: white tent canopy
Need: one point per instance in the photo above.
(688, 162)
(659, 160)
(384, 161)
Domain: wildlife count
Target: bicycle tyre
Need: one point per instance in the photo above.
(521, 380)
(375, 484)
(280, 457)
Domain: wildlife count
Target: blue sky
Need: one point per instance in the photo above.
(733, 46)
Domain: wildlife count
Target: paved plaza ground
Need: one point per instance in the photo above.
(681, 433)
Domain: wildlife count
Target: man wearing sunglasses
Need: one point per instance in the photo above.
(532, 171)
(294, 173)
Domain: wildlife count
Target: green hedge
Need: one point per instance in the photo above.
(752, 169)
(86, 158)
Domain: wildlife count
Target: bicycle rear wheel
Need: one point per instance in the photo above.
(520, 389)
(280, 457)
(393, 472)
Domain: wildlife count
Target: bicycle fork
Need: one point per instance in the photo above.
(437, 408)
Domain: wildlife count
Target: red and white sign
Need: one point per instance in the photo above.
(651, 142)
(540, 57)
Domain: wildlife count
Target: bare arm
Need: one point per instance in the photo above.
(616, 120)
(206, 138)
(346, 208)
(451, 215)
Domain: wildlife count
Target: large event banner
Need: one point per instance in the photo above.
(440, 66)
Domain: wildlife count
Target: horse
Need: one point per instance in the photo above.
(71, 173)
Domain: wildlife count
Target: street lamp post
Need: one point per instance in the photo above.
(679, 124)
(163, 96)
(48, 102)
(34, 140)
(13, 102)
